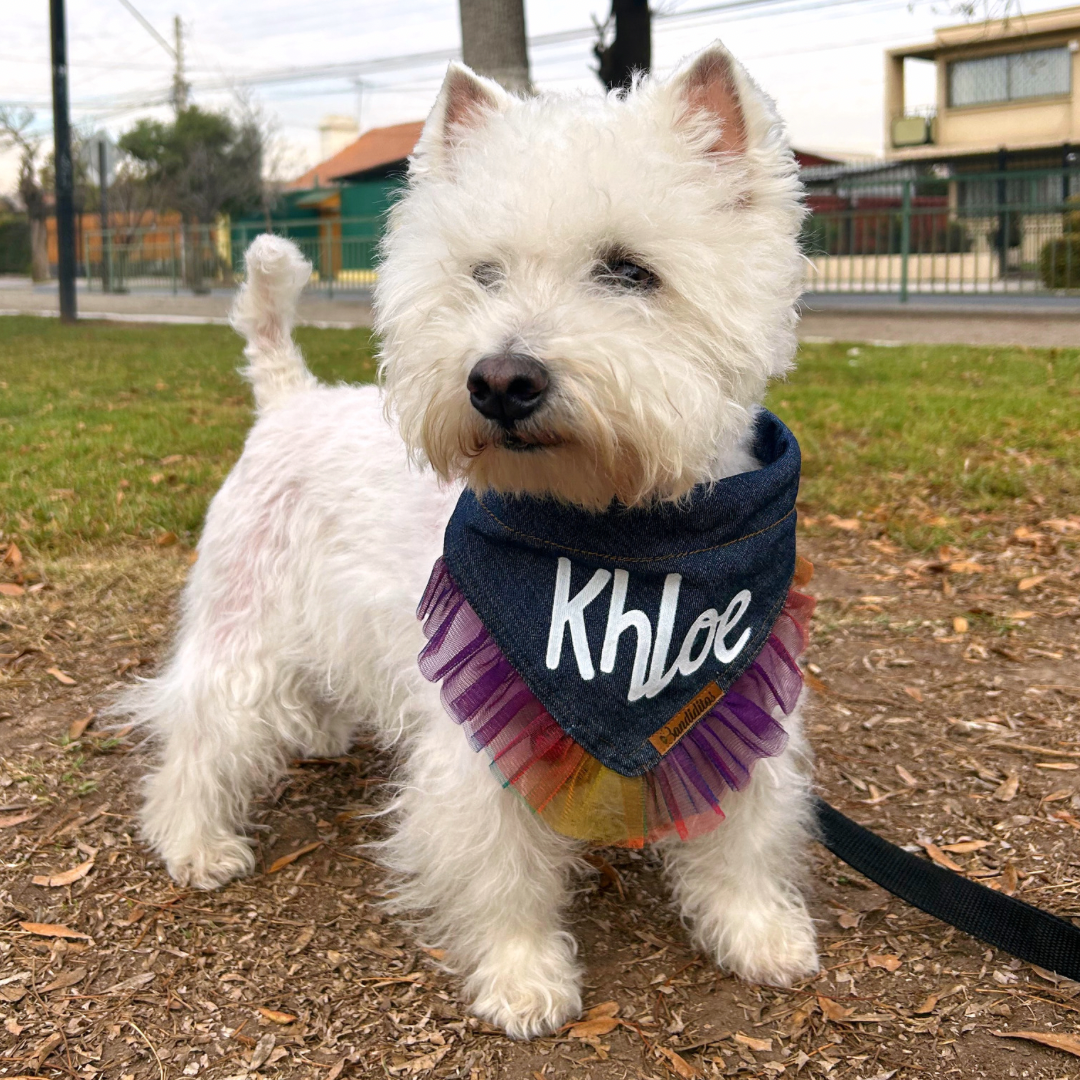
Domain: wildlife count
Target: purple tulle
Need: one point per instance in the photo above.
(574, 792)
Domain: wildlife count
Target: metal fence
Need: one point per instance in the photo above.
(1014, 232)
(200, 258)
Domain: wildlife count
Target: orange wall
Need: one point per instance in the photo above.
(161, 226)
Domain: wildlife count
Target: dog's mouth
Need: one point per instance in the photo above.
(521, 443)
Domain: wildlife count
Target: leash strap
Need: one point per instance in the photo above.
(1004, 922)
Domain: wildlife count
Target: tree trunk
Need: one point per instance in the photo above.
(39, 250)
(631, 49)
(493, 41)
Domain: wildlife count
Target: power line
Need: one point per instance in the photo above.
(117, 104)
(149, 28)
(357, 68)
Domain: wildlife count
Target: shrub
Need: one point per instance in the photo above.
(1071, 216)
(14, 245)
(1059, 262)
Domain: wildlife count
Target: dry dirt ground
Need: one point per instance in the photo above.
(948, 691)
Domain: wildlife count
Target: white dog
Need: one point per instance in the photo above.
(636, 258)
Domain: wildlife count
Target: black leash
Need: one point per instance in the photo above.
(1002, 921)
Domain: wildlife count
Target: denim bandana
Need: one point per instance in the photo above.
(622, 668)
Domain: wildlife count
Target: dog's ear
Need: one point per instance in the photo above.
(465, 101)
(711, 84)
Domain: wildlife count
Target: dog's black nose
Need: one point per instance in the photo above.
(507, 387)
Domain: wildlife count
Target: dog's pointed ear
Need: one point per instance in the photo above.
(711, 85)
(465, 102)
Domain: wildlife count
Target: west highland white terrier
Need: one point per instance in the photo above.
(581, 303)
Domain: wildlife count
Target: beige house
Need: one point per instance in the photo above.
(1008, 95)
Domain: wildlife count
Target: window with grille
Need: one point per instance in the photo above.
(1012, 77)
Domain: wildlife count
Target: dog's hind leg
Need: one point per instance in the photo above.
(491, 881)
(739, 885)
(219, 747)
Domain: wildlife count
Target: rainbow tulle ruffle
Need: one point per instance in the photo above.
(566, 786)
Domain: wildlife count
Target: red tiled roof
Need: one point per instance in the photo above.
(386, 145)
(377, 147)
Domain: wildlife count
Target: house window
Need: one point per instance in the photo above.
(1012, 77)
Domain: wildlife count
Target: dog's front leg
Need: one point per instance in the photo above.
(738, 886)
(492, 882)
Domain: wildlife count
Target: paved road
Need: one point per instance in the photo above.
(1031, 321)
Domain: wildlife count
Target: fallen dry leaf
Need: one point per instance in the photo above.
(966, 567)
(914, 693)
(53, 930)
(847, 524)
(927, 1007)
(1068, 1043)
(959, 624)
(1030, 582)
(833, 1010)
(964, 846)
(939, 856)
(275, 1016)
(263, 1048)
(1010, 879)
(67, 877)
(285, 860)
(43, 1050)
(1021, 615)
(18, 819)
(762, 1046)
(13, 556)
(1008, 789)
(77, 727)
(888, 961)
(1060, 766)
(166, 539)
(906, 776)
(71, 977)
(136, 982)
(589, 1029)
(7, 589)
(61, 677)
(678, 1064)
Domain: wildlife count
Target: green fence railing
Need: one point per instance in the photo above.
(1014, 232)
(200, 258)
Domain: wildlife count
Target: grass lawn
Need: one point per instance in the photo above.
(113, 432)
(109, 432)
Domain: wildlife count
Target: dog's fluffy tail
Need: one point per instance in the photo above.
(265, 312)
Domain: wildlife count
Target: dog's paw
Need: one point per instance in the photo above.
(772, 943)
(527, 988)
(210, 864)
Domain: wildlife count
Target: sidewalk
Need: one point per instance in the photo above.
(19, 297)
(1033, 321)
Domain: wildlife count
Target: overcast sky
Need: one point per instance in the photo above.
(821, 59)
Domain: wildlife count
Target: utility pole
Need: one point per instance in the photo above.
(493, 41)
(631, 49)
(180, 87)
(65, 171)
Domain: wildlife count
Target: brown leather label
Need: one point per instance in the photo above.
(686, 718)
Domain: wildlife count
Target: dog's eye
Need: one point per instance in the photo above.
(628, 275)
(488, 275)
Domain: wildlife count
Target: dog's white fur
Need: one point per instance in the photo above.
(298, 623)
